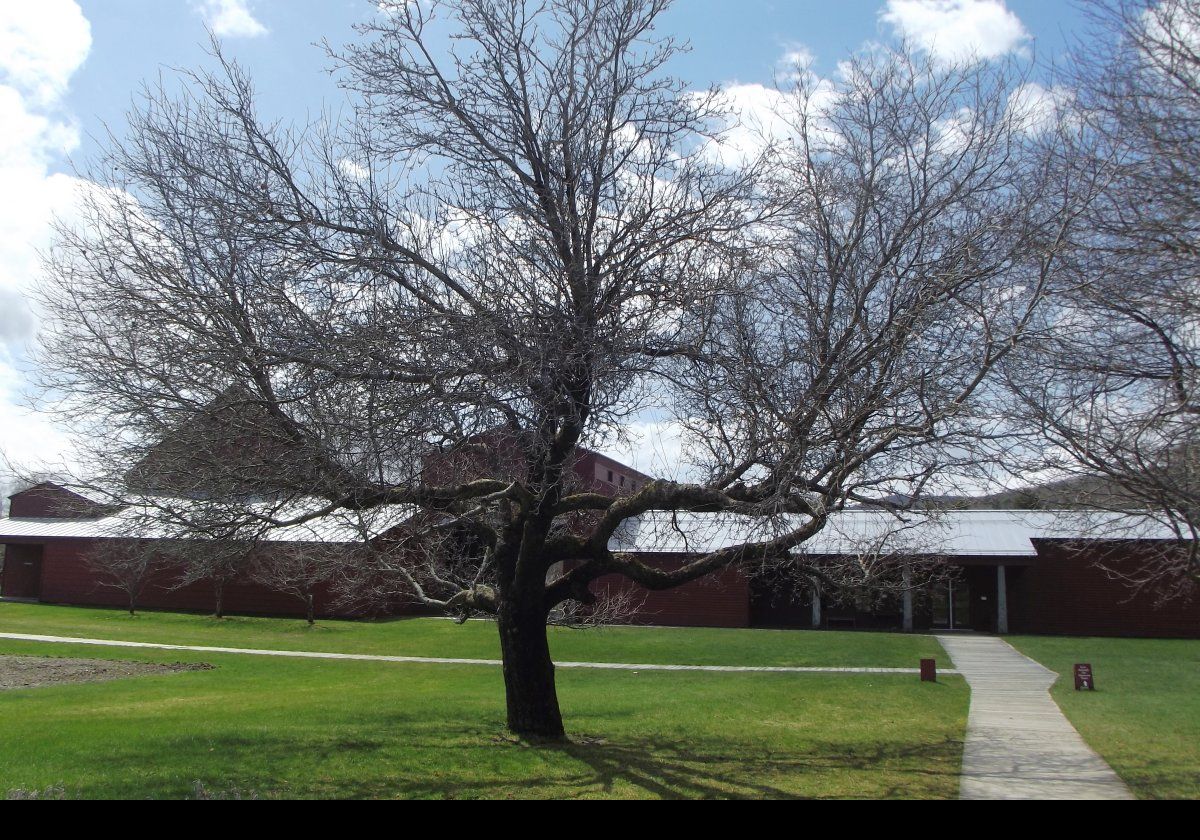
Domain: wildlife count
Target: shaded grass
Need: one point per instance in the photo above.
(478, 639)
(1144, 717)
(296, 728)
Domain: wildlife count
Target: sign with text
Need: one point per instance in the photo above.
(1083, 678)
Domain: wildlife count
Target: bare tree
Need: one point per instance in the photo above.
(1114, 386)
(127, 565)
(299, 570)
(215, 563)
(522, 240)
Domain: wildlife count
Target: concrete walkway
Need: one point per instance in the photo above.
(1019, 743)
(427, 660)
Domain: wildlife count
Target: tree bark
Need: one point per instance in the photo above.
(308, 612)
(528, 674)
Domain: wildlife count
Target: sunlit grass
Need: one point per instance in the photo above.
(478, 639)
(302, 728)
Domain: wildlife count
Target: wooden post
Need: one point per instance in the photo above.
(928, 670)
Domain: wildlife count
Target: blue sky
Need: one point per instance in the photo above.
(732, 40)
(68, 68)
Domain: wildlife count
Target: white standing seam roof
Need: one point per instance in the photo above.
(148, 522)
(958, 533)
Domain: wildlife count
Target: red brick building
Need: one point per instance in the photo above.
(1019, 572)
(53, 533)
(1037, 572)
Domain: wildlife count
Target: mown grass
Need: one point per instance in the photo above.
(299, 728)
(478, 640)
(1144, 717)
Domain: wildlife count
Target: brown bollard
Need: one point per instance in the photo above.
(928, 670)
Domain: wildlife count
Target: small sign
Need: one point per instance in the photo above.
(1083, 678)
(928, 670)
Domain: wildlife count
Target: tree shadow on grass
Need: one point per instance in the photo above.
(1158, 779)
(478, 761)
(667, 769)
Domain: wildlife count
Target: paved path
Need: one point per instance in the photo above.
(425, 660)
(1019, 743)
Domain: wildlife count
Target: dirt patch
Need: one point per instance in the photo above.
(34, 671)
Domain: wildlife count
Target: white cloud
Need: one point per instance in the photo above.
(796, 63)
(32, 194)
(32, 443)
(42, 44)
(763, 114)
(231, 18)
(353, 170)
(755, 122)
(1169, 33)
(654, 447)
(1037, 107)
(957, 30)
(393, 7)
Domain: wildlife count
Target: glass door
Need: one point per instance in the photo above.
(960, 602)
(952, 606)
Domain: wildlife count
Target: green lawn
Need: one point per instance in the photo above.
(478, 640)
(300, 728)
(1144, 717)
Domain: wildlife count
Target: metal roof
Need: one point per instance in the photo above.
(960, 533)
(152, 521)
(965, 533)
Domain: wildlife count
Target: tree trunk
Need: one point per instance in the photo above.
(308, 603)
(219, 595)
(528, 674)
(132, 604)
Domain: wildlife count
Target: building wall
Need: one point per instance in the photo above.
(21, 574)
(67, 578)
(602, 474)
(1066, 593)
(1061, 592)
(51, 501)
(495, 455)
(719, 600)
